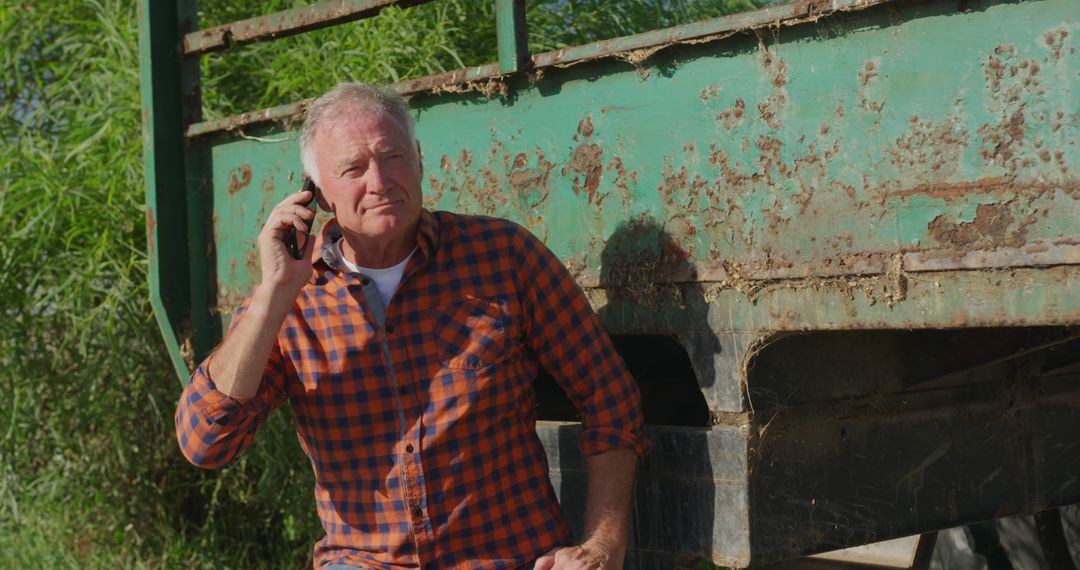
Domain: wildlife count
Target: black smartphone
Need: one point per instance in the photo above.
(292, 243)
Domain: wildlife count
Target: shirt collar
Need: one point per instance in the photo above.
(427, 241)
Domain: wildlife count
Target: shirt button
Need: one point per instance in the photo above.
(390, 329)
(409, 448)
(365, 281)
(417, 512)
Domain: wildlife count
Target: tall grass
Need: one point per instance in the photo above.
(90, 475)
(402, 44)
(84, 467)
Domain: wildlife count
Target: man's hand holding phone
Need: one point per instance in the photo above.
(285, 243)
(237, 365)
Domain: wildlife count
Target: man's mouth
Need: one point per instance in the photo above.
(381, 206)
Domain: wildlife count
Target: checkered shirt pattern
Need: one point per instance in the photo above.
(421, 428)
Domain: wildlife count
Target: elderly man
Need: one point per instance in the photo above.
(407, 348)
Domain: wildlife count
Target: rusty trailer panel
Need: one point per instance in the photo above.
(856, 219)
(833, 175)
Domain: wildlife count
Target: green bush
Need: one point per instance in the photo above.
(90, 474)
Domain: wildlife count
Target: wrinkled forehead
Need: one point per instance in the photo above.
(354, 120)
(359, 136)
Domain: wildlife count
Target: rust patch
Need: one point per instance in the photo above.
(998, 186)
(490, 88)
(994, 72)
(623, 180)
(1055, 40)
(767, 112)
(1000, 142)
(868, 72)
(866, 76)
(585, 127)
(673, 183)
(239, 179)
(1014, 127)
(252, 264)
(457, 179)
(769, 159)
(712, 91)
(526, 182)
(489, 194)
(930, 152)
(993, 220)
(732, 116)
(520, 161)
(889, 287)
(778, 78)
(992, 223)
(587, 164)
(151, 226)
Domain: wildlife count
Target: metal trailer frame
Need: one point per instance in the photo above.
(846, 227)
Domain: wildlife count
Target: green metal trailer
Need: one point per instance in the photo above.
(837, 241)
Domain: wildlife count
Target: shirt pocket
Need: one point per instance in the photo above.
(473, 333)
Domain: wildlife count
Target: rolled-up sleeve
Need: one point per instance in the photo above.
(566, 335)
(212, 427)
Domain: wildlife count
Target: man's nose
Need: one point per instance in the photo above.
(377, 181)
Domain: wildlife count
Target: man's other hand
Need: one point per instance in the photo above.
(583, 557)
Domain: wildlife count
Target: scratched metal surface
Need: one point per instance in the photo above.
(907, 165)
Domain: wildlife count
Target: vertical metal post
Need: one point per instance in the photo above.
(163, 164)
(512, 35)
(199, 193)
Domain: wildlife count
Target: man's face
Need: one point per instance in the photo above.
(370, 175)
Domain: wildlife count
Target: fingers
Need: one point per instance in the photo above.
(285, 215)
(295, 209)
(574, 558)
(296, 203)
(299, 197)
(547, 561)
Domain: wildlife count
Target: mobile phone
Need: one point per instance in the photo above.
(292, 239)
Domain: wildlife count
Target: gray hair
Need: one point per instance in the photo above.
(349, 98)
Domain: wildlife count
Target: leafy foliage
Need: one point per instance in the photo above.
(78, 374)
(90, 475)
(402, 44)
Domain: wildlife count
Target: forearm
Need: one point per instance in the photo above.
(236, 367)
(608, 503)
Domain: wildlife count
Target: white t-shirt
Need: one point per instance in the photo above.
(386, 280)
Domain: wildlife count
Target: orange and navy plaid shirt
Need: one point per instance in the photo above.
(419, 417)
